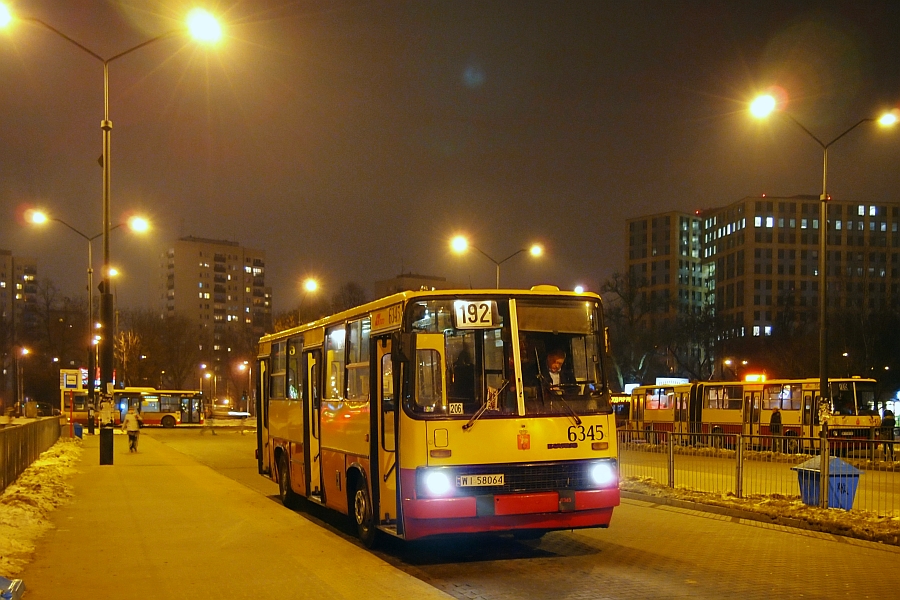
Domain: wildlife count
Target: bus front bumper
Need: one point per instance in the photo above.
(490, 513)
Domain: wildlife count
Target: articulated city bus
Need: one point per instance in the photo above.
(166, 408)
(437, 412)
(736, 408)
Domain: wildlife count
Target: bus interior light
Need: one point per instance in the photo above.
(602, 474)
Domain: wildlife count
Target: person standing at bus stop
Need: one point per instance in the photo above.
(132, 425)
(775, 429)
(887, 433)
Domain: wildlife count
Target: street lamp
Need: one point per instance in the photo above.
(460, 245)
(20, 377)
(137, 224)
(310, 286)
(761, 107)
(245, 366)
(203, 27)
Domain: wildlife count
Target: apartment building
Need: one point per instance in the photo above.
(219, 285)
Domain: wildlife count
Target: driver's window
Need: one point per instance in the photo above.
(429, 390)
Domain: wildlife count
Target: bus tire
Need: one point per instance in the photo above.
(362, 513)
(168, 422)
(792, 443)
(288, 497)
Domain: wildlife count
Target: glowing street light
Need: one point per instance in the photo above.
(761, 107)
(136, 224)
(459, 244)
(201, 28)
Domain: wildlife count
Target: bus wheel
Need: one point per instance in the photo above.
(288, 497)
(168, 422)
(793, 444)
(362, 513)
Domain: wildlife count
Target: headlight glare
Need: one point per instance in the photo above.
(603, 474)
(437, 483)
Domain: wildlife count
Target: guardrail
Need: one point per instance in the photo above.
(21, 444)
(758, 465)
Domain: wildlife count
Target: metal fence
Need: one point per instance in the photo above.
(20, 445)
(850, 474)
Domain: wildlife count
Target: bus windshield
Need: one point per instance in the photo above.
(853, 398)
(559, 351)
(466, 346)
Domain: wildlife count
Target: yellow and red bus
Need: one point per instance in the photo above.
(166, 408)
(434, 412)
(733, 408)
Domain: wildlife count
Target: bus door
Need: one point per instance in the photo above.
(313, 361)
(263, 449)
(752, 401)
(681, 406)
(810, 414)
(387, 434)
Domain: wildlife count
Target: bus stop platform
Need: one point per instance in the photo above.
(159, 524)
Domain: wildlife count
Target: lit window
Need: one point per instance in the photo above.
(770, 222)
(757, 221)
(861, 210)
(837, 225)
(768, 330)
(756, 330)
(872, 211)
(815, 223)
(802, 223)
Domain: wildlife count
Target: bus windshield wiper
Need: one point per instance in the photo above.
(570, 409)
(484, 406)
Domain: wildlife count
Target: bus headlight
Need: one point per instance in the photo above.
(602, 474)
(437, 483)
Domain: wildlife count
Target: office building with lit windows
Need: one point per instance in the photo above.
(664, 262)
(755, 262)
(221, 286)
(762, 254)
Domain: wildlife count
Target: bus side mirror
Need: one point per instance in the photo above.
(403, 345)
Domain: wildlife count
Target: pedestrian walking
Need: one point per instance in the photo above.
(887, 433)
(132, 425)
(775, 429)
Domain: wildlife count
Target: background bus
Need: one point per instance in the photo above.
(166, 408)
(437, 412)
(733, 408)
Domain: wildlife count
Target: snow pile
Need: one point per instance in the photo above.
(858, 524)
(25, 505)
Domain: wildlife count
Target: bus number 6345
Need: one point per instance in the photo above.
(580, 433)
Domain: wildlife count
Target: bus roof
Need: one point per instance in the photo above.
(404, 297)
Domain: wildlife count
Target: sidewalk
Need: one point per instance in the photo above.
(158, 524)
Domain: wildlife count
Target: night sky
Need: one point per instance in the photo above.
(351, 139)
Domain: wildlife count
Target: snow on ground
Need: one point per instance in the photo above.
(25, 505)
(858, 524)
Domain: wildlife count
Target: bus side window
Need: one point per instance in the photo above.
(387, 384)
(429, 391)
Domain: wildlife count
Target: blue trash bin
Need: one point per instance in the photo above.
(78, 429)
(843, 478)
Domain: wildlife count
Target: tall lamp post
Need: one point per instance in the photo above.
(460, 244)
(202, 26)
(20, 378)
(762, 107)
(310, 285)
(136, 224)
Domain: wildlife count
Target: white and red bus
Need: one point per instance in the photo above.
(733, 408)
(437, 412)
(166, 408)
